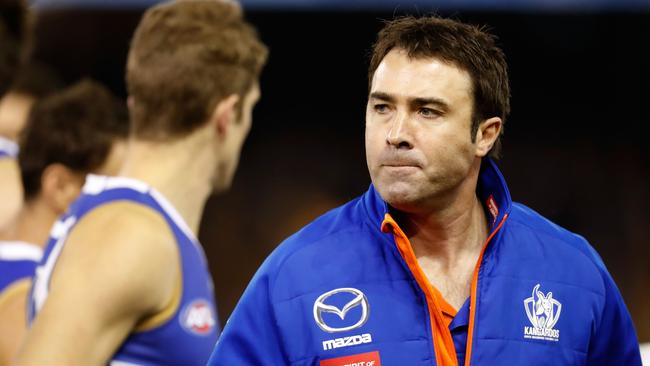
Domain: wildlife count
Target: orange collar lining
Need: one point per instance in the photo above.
(443, 343)
(440, 312)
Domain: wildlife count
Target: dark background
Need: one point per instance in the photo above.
(575, 147)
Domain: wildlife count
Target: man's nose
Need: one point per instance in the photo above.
(399, 135)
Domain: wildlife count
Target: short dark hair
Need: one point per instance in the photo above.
(14, 19)
(36, 79)
(75, 127)
(466, 46)
(185, 57)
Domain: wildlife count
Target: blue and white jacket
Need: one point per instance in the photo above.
(347, 290)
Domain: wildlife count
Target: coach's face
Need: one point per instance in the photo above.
(418, 131)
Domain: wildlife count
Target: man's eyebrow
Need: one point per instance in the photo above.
(414, 101)
(440, 103)
(382, 96)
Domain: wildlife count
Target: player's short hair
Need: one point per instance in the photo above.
(185, 57)
(37, 80)
(75, 127)
(466, 46)
(14, 19)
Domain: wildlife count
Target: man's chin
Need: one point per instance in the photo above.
(399, 196)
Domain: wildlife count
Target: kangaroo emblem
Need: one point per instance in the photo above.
(542, 310)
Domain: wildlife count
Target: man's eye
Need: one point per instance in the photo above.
(429, 113)
(381, 108)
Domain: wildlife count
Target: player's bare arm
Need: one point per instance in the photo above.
(105, 283)
(10, 190)
(12, 319)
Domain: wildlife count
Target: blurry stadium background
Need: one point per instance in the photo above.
(575, 147)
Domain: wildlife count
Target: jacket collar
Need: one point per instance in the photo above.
(491, 190)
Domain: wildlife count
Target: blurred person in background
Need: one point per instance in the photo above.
(14, 27)
(80, 130)
(33, 82)
(123, 279)
(434, 264)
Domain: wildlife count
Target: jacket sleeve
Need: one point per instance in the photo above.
(251, 336)
(614, 340)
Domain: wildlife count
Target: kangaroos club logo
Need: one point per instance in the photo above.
(198, 317)
(543, 312)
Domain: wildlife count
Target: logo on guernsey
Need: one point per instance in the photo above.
(198, 318)
(347, 341)
(543, 312)
(338, 303)
(358, 300)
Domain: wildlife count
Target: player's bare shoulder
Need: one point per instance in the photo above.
(125, 220)
(126, 243)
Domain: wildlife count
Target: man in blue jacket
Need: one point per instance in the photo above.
(434, 265)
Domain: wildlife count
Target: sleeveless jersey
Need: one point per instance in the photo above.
(18, 262)
(187, 336)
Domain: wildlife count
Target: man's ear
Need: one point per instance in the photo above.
(487, 134)
(224, 114)
(60, 186)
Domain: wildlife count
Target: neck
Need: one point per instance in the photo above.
(180, 170)
(453, 231)
(32, 224)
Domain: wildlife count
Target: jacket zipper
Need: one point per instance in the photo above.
(474, 286)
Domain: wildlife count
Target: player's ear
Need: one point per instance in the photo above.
(60, 186)
(487, 134)
(224, 114)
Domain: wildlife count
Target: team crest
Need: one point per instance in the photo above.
(198, 318)
(543, 312)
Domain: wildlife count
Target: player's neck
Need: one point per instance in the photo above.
(180, 170)
(32, 224)
(453, 230)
